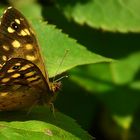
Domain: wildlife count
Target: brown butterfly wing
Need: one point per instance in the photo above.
(22, 85)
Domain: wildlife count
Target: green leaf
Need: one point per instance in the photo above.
(39, 124)
(96, 78)
(125, 71)
(117, 73)
(115, 84)
(124, 121)
(111, 15)
(54, 46)
(29, 8)
(33, 130)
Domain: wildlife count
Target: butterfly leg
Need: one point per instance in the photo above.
(31, 107)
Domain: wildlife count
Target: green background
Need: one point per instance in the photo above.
(102, 92)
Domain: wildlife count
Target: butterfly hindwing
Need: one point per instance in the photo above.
(21, 71)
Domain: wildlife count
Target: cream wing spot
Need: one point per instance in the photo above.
(4, 80)
(11, 70)
(10, 30)
(5, 11)
(16, 75)
(23, 33)
(3, 94)
(32, 79)
(25, 67)
(30, 57)
(27, 31)
(29, 47)
(17, 64)
(16, 44)
(6, 48)
(4, 58)
(29, 74)
(17, 21)
(10, 7)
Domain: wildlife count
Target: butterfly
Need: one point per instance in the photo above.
(23, 78)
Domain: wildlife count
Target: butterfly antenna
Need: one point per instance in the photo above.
(62, 60)
(65, 76)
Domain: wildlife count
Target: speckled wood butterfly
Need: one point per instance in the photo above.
(23, 78)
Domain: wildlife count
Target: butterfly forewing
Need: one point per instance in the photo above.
(17, 39)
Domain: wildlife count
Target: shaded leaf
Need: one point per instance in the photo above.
(39, 124)
(111, 15)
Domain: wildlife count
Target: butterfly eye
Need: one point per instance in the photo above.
(14, 25)
(16, 67)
